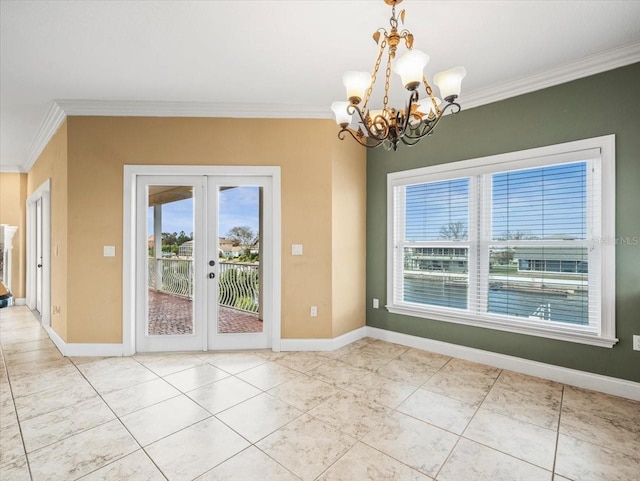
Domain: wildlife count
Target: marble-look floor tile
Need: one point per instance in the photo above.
(249, 465)
(351, 414)
(581, 460)
(302, 361)
(233, 362)
(519, 439)
(608, 421)
(60, 397)
(471, 461)
(221, 395)
(541, 410)
(48, 428)
(44, 380)
(7, 411)
(268, 375)
(29, 346)
(441, 411)
(304, 392)
(338, 373)
(384, 348)
(27, 369)
(112, 374)
(195, 377)
(11, 448)
(172, 364)
(529, 386)
(40, 355)
(259, 416)
(155, 422)
(413, 373)
(131, 399)
(81, 454)
(306, 446)
(134, 467)
(363, 462)
(195, 450)
(463, 380)
(15, 470)
(362, 359)
(417, 444)
(382, 390)
(268, 354)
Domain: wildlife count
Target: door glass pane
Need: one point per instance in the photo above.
(170, 242)
(239, 256)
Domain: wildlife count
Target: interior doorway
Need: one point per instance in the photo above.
(39, 253)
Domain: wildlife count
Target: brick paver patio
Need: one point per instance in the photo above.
(169, 314)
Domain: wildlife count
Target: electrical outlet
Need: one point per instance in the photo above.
(55, 310)
(376, 303)
(636, 343)
(314, 311)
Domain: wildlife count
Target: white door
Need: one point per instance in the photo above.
(39, 255)
(197, 288)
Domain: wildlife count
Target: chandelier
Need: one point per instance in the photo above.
(388, 126)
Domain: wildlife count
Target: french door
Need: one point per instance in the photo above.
(201, 254)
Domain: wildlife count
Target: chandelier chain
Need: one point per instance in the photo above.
(376, 67)
(387, 82)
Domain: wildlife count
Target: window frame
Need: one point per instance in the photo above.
(478, 169)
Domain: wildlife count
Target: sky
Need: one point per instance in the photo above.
(539, 203)
(238, 206)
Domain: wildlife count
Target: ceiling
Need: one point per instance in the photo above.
(263, 58)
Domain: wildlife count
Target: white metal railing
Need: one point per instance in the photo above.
(239, 284)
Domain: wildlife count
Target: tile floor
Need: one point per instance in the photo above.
(369, 411)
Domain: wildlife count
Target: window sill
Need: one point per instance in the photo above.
(570, 335)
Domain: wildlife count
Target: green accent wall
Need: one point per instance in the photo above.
(607, 103)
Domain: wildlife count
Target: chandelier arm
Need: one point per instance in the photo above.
(352, 108)
(376, 67)
(427, 127)
(413, 98)
(366, 143)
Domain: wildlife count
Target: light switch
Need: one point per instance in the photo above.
(109, 251)
(296, 249)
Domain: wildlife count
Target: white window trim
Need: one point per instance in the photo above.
(528, 158)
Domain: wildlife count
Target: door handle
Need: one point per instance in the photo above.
(39, 265)
(212, 263)
(211, 275)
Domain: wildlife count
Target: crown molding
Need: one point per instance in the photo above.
(11, 169)
(190, 109)
(594, 64)
(48, 127)
(60, 109)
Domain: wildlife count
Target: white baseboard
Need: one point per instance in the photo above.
(83, 349)
(572, 377)
(21, 301)
(323, 344)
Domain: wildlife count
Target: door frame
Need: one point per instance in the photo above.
(43, 192)
(272, 276)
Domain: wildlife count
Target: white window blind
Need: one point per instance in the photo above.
(510, 244)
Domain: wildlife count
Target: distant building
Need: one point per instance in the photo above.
(437, 259)
(564, 260)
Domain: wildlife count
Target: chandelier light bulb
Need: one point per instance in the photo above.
(410, 67)
(449, 82)
(343, 118)
(357, 84)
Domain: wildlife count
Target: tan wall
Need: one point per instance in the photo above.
(349, 211)
(52, 164)
(13, 197)
(99, 147)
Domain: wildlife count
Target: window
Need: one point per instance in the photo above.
(521, 242)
